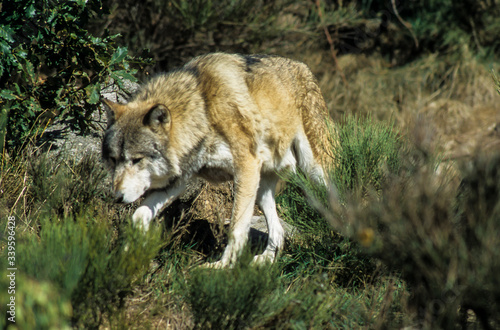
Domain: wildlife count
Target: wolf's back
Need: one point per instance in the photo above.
(309, 100)
(239, 77)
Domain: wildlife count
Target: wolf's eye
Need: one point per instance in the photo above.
(136, 160)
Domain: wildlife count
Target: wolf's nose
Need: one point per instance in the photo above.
(119, 197)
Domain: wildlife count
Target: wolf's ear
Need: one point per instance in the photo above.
(113, 110)
(158, 116)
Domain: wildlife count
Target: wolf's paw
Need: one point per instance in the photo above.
(216, 265)
(262, 259)
(142, 216)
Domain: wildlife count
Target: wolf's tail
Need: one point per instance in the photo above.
(311, 147)
(317, 123)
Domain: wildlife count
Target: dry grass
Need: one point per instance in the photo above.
(455, 95)
(15, 187)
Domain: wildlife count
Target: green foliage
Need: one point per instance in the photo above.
(194, 27)
(90, 267)
(259, 297)
(316, 248)
(72, 268)
(443, 26)
(52, 67)
(38, 304)
(439, 237)
(40, 184)
(317, 304)
(232, 298)
(471, 23)
(366, 151)
(206, 15)
(248, 297)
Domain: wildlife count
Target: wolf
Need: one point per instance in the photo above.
(245, 118)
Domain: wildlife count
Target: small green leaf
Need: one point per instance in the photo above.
(93, 93)
(30, 71)
(122, 74)
(30, 11)
(22, 53)
(4, 48)
(6, 33)
(118, 56)
(7, 94)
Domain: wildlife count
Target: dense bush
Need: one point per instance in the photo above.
(365, 153)
(442, 239)
(259, 297)
(230, 299)
(88, 268)
(450, 25)
(52, 67)
(406, 29)
(174, 31)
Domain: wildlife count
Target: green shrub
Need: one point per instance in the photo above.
(434, 26)
(316, 303)
(449, 25)
(229, 298)
(88, 264)
(62, 249)
(442, 240)
(195, 27)
(52, 67)
(262, 298)
(38, 184)
(315, 248)
(38, 304)
(365, 153)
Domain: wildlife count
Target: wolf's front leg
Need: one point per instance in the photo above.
(246, 185)
(154, 202)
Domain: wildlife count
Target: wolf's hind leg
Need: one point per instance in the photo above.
(267, 204)
(153, 203)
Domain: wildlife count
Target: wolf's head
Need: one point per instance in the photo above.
(135, 146)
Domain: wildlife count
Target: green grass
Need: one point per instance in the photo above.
(230, 299)
(367, 151)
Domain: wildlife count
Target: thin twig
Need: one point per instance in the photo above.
(406, 24)
(333, 51)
